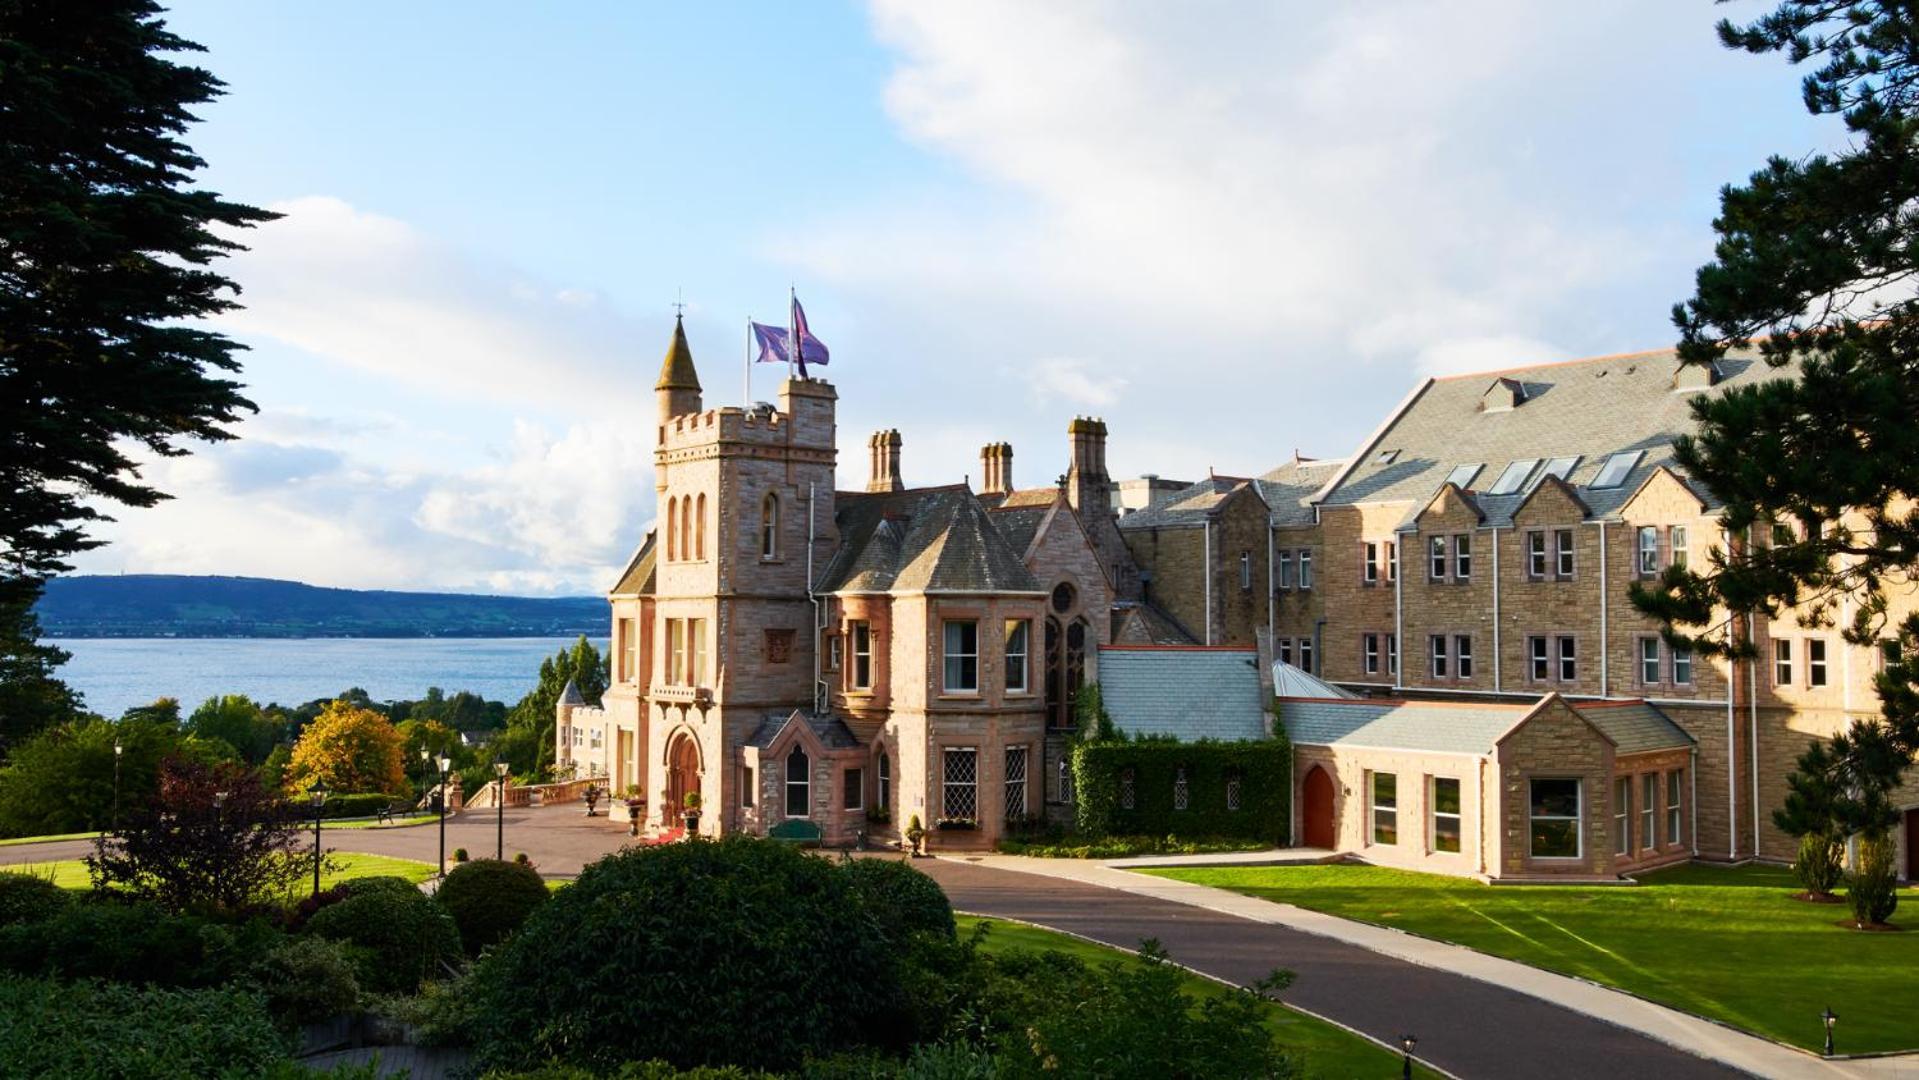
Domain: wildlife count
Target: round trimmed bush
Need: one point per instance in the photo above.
(25, 898)
(382, 883)
(306, 979)
(397, 939)
(490, 899)
(900, 899)
(731, 952)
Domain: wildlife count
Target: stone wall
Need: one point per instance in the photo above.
(1555, 742)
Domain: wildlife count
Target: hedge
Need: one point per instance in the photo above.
(1264, 767)
(356, 805)
(87, 1030)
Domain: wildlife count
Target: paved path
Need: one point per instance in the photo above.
(1467, 1027)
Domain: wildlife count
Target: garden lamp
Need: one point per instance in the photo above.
(118, 752)
(1406, 1043)
(499, 803)
(443, 761)
(1830, 1018)
(317, 793)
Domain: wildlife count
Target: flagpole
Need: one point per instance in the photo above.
(793, 335)
(746, 370)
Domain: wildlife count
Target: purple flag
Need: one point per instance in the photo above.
(772, 343)
(812, 349)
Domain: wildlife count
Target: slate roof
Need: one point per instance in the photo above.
(1191, 506)
(1019, 524)
(931, 539)
(1587, 409)
(1188, 692)
(676, 369)
(637, 579)
(1146, 623)
(1040, 496)
(1398, 725)
(1287, 488)
(830, 730)
(1634, 725)
(570, 694)
(1447, 727)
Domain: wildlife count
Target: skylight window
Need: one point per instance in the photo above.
(1613, 472)
(1515, 475)
(1561, 467)
(1463, 475)
(1385, 457)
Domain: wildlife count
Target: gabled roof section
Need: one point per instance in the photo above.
(1025, 497)
(922, 540)
(1193, 505)
(1187, 692)
(1020, 525)
(828, 732)
(1556, 484)
(676, 371)
(1662, 474)
(1584, 409)
(1504, 394)
(1430, 726)
(1453, 490)
(1289, 681)
(637, 578)
(1146, 623)
(1288, 490)
(1635, 727)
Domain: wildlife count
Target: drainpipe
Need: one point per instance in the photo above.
(1272, 592)
(819, 704)
(1752, 738)
(1479, 797)
(1693, 781)
(1496, 654)
(1399, 615)
(1207, 543)
(1319, 654)
(1604, 683)
(1732, 765)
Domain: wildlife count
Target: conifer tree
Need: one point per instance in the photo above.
(1814, 266)
(105, 249)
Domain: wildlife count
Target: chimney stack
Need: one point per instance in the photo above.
(884, 450)
(1087, 485)
(996, 469)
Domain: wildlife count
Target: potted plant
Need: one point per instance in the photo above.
(460, 855)
(914, 834)
(635, 805)
(956, 824)
(592, 797)
(690, 812)
(878, 815)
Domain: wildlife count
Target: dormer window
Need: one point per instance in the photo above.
(1503, 395)
(1514, 476)
(1462, 475)
(1613, 473)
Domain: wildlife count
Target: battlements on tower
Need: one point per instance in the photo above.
(804, 418)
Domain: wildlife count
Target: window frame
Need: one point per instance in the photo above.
(770, 512)
(860, 675)
(1369, 562)
(1565, 554)
(1024, 753)
(1369, 653)
(1434, 814)
(1438, 557)
(1649, 644)
(948, 784)
(853, 787)
(1782, 662)
(1245, 571)
(1539, 657)
(1022, 631)
(1649, 811)
(1578, 819)
(1439, 657)
(1374, 809)
(1392, 655)
(1646, 557)
(1536, 555)
(1462, 557)
(949, 655)
(1677, 659)
(1306, 663)
(1462, 657)
(1622, 816)
(804, 784)
(1283, 579)
(1567, 657)
(1818, 673)
(1305, 569)
(1675, 805)
(1677, 546)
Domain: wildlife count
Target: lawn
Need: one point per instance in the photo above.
(1326, 1049)
(1726, 943)
(72, 873)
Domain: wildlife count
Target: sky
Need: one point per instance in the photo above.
(1235, 231)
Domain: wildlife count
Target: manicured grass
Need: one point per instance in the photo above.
(48, 839)
(72, 873)
(400, 821)
(1726, 943)
(1326, 1050)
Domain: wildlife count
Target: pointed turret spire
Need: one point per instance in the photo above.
(676, 372)
(571, 695)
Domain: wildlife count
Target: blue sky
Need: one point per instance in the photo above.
(1233, 230)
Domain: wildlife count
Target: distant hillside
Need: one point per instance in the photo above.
(167, 605)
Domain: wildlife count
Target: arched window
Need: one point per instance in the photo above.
(686, 527)
(1076, 635)
(672, 529)
(770, 526)
(1058, 709)
(798, 783)
(884, 769)
(699, 527)
(1065, 780)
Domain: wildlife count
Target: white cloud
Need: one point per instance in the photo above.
(1075, 381)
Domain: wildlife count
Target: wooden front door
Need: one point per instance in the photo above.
(682, 778)
(1316, 808)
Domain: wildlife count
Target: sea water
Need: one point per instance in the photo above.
(116, 674)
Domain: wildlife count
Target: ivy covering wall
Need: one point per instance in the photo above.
(1103, 770)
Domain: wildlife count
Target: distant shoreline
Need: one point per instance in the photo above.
(596, 631)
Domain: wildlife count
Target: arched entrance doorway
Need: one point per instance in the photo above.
(682, 777)
(1316, 809)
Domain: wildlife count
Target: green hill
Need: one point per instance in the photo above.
(168, 605)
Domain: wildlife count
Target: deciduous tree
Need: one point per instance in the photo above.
(105, 269)
(1815, 266)
(349, 749)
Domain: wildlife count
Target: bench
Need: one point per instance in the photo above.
(796, 831)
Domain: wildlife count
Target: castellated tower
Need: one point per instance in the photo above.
(737, 490)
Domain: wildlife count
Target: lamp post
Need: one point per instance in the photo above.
(499, 802)
(118, 752)
(443, 761)
(426, 760)
(1406, 1043)
(1830, 1018)
(318, 794)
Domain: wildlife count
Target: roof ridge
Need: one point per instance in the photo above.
(1555, 364)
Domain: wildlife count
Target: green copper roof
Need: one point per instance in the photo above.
(676, 372)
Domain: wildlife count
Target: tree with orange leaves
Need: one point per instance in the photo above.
(350, 749)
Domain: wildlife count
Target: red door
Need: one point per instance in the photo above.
(1316, 811)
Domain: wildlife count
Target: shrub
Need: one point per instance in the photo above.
(131, 943)
(900, 899)
(25, 898)
(379, 883)
(1061, 845)
(490, 899)
(305, 979)
(632, 1070)
(1262, 767)
(92, 1030)
(1874, 890)
(1821, 863)
(753, 954)
(460, 855)
(398, 938)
